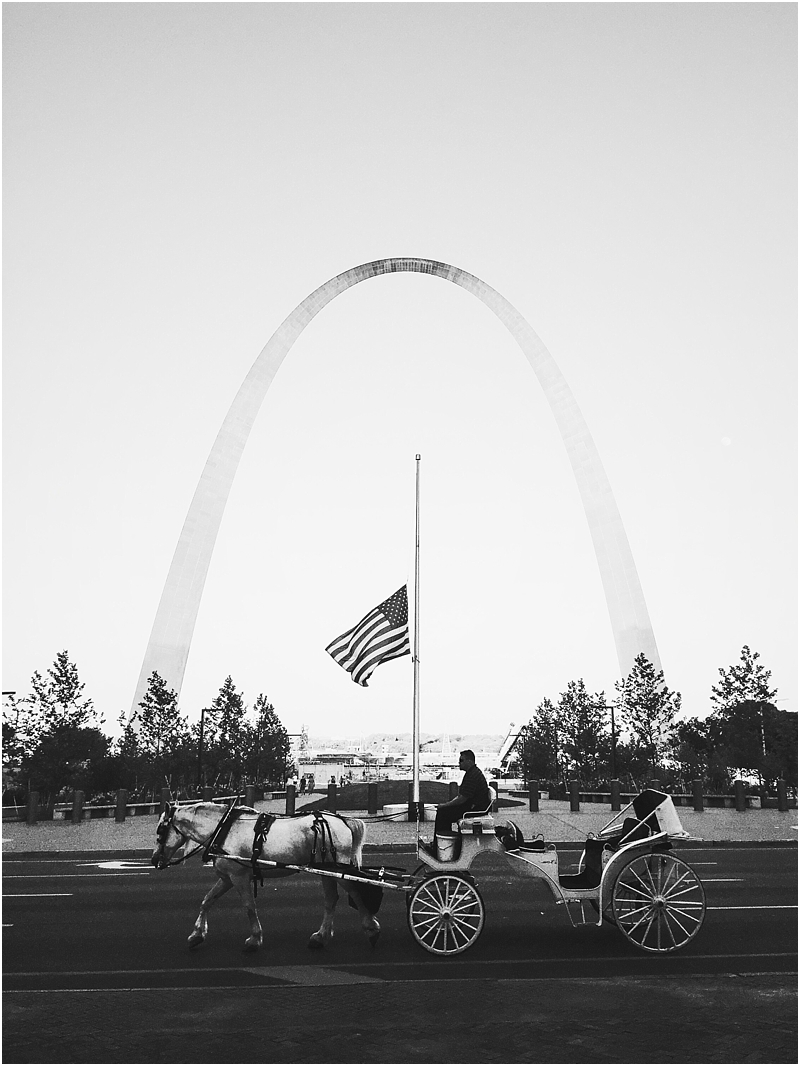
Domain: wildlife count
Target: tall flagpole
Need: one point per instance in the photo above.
(415, 754)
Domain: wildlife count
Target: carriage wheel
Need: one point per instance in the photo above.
(446, 914)
(658, 902)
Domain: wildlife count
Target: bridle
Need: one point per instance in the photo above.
(166, 823)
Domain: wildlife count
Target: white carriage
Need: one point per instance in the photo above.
(627, 875)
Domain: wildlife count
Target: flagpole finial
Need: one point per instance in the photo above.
(418, 456)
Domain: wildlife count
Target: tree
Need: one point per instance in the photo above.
(57, 700)
(648, 709)
(64, 758)
(745, 680)
(157, 721)
(268, 745)
(155, 740)
(224, 734)
(757, 738)
(13, 747)
(585, 737)
(538, 745)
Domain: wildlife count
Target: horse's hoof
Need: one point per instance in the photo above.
(195, 940)
(315, 942)
(251, 945)
(373, 938)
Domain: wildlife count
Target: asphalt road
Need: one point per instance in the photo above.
(96, 969)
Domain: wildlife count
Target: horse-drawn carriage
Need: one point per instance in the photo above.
(627, 874)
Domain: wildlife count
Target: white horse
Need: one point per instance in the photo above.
(302, 840)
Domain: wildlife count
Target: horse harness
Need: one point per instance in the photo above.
(323, 849)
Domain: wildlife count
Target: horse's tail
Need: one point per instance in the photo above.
(358, 829)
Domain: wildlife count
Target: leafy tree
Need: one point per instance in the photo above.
(13, 746)
(756, 737)
(648, 709)
(159, 728)
(695, 742)
(538, 745)
(585, 736)
(57, 700)
(224, 734)
(268, 750)
(153, 747)
(745, 681)
(64, 759)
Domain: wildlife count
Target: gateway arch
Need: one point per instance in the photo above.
(171, 636)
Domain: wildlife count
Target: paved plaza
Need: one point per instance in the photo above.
(554, 821)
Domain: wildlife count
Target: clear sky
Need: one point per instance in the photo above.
(178, 177)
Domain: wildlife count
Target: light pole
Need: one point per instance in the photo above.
(200, 748)
(610, 707)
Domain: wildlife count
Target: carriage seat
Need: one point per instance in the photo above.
(477, 821)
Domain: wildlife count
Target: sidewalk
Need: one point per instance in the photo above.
(555, 822)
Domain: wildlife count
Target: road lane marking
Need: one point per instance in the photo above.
(117, 864)
(32, 895)
(758, 907)
(312, 975)
(383, 965)
(57, 876)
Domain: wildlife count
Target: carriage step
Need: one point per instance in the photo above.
(581, 912)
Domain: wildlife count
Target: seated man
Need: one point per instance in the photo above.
(473, 795)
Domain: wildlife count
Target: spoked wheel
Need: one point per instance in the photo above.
(658, 902)
(446, 914)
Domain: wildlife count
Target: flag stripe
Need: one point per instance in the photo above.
(381, 635)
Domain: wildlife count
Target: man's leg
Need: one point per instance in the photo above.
(445, 816)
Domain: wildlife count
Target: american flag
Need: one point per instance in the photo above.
(379, 636)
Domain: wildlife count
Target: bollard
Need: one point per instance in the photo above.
(332, 797)
(166, 798)
(77, 806)
(616, 803)
(32, 810)
(372, 797)
(122, 803)
(697, 794)
(738, 792)
(533, 796)
(208, 794)
(496, 786)
(783, 799)
(453, 790)
(574, 798)
(249, 795)
(291, 793)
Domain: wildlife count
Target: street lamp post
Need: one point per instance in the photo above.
(611, 707)
(200, 748)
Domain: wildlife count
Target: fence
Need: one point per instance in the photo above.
(78, 811)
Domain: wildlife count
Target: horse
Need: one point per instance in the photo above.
(299, 840)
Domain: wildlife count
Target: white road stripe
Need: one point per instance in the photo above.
(312, 975)
(451, 963)
(55, 877)
(758, 907)
(32, 895)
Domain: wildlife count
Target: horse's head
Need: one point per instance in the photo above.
(168, 838)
